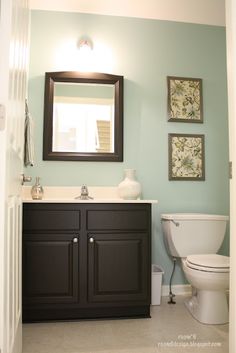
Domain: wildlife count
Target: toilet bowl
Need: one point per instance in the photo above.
(209, 276)
(196, 238)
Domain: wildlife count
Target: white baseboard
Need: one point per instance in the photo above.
(178, 289)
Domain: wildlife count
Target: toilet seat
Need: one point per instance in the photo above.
(208, 263)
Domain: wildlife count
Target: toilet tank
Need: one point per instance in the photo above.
(193, 233)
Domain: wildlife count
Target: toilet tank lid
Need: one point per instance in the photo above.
(193, 216)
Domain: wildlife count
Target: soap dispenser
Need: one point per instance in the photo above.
(37, 190)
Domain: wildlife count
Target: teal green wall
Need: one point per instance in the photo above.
(144, 52)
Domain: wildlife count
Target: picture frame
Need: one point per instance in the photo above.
(185, 102)
(186, 157)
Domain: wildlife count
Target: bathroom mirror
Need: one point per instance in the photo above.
(83, 117)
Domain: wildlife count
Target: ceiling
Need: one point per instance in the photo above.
(210, 12)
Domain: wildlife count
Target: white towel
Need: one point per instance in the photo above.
(29, 138)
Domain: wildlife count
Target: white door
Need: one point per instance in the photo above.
(14, 25)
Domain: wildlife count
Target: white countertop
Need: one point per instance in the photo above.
(88, 201)
(57, 194)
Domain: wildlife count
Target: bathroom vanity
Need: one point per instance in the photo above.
(86, 260)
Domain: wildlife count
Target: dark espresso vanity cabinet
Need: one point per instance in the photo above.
(86, 260)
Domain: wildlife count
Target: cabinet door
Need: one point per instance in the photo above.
(118, 268)
(50, 268)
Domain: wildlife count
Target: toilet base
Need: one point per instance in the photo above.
(209, 307)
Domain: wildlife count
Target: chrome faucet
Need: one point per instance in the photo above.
(84, 194)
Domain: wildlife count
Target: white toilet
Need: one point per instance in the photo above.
(196, 238)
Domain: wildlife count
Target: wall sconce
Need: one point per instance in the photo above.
(93, 57)
(85, 57)
(85, 46)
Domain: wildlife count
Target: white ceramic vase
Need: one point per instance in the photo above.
(129, 188)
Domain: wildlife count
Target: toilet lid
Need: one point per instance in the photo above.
(209, 262)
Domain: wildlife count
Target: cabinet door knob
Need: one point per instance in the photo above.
(75, 240)
(91, 240)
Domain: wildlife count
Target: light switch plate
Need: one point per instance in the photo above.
(230, 170)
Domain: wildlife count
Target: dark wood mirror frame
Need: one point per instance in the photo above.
(78, 77)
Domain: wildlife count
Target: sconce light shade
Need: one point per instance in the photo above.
(85, 54)
(85, 45)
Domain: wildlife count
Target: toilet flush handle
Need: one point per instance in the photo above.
(175, 223)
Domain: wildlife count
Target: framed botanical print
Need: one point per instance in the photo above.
(185, 99)
(186, 157)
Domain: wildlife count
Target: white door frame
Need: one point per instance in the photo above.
(231, 75)
(4, 70)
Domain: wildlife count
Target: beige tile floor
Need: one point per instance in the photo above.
(171, 329)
